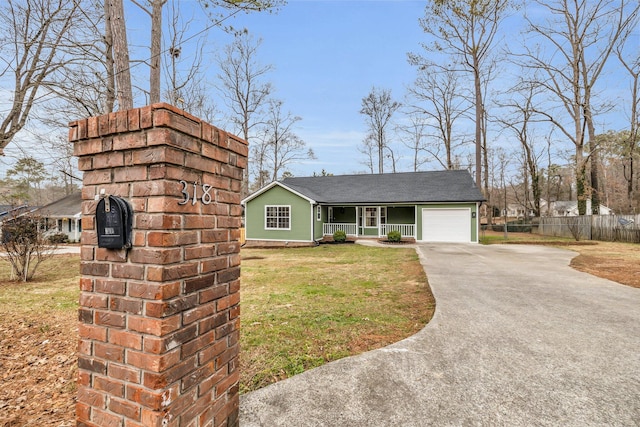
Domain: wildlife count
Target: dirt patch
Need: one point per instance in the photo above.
(38, 368)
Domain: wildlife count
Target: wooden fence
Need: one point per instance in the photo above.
(611, 228)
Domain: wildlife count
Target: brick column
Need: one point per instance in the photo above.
(159, 323)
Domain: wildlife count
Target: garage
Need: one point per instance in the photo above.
(446, 225)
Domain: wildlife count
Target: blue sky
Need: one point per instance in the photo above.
(327, 56)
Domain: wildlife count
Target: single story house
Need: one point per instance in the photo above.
(63, 216)
(437, 206)
(570, 208)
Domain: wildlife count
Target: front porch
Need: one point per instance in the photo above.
(370, 221)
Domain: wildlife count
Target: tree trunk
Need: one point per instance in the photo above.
(121, 55)
(479, 117)
(108, 49)
(156, 48)
(380, 152)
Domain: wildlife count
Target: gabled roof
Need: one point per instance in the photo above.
(407, 187)
(68, 206)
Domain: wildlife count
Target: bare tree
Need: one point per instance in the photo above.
(368, 149)
(282, 146)
(627, 54)
(115, 16)
(466, 30)
(85, 85)
(378, 107)
(440, 99)
(185, 85)
(242, 86)
(33, 31)
(519, 124)
(413, 136)
(582, 35)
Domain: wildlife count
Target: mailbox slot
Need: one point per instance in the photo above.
(114, 220)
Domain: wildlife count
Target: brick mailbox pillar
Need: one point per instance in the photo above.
(159, 322)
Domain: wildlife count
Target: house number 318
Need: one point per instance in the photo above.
(205, 198)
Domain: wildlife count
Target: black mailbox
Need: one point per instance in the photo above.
(114, 219)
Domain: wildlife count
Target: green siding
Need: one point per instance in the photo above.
(300, 222)
(317, 228)
(472, 206)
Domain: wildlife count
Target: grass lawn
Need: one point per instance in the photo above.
(300, 309)
(305, 307)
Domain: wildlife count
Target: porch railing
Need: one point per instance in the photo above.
(351, 229)
(406, 230)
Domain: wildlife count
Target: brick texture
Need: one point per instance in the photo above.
(159, 323)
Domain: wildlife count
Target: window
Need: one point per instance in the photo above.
(277, 217)
(371, 217)
(318, 213)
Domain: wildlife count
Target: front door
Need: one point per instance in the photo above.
(370, 220)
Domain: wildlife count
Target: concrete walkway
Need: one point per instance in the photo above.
(518, 339)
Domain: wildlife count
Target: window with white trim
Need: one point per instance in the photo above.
(318, 213)
(277, 217)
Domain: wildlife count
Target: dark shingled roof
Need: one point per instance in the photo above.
(408, 187)
(66, 207)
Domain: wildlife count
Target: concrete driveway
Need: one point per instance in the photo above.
(518, 339)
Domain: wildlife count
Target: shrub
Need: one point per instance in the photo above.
(25, 245)
(339, 236)
(394, 236)
(58, 238)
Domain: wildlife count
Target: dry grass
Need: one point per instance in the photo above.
(615, 261)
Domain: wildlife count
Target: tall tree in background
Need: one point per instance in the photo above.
(153, 8)
(465, 30)
(627, 53)
(243, 87)
(116, 24)
(519, 124)
(32, 33)
(26, 178)
(282, 146)
(439, 98)
(378, 107)
(186, 82)
(582, 35)
(413, 135)
(115, 21)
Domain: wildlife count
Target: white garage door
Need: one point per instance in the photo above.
(446, 225)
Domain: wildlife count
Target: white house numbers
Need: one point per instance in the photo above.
(194, 192)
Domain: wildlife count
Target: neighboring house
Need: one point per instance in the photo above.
(516, 210)
(439, 206)
(570, 208)
(63, 216)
